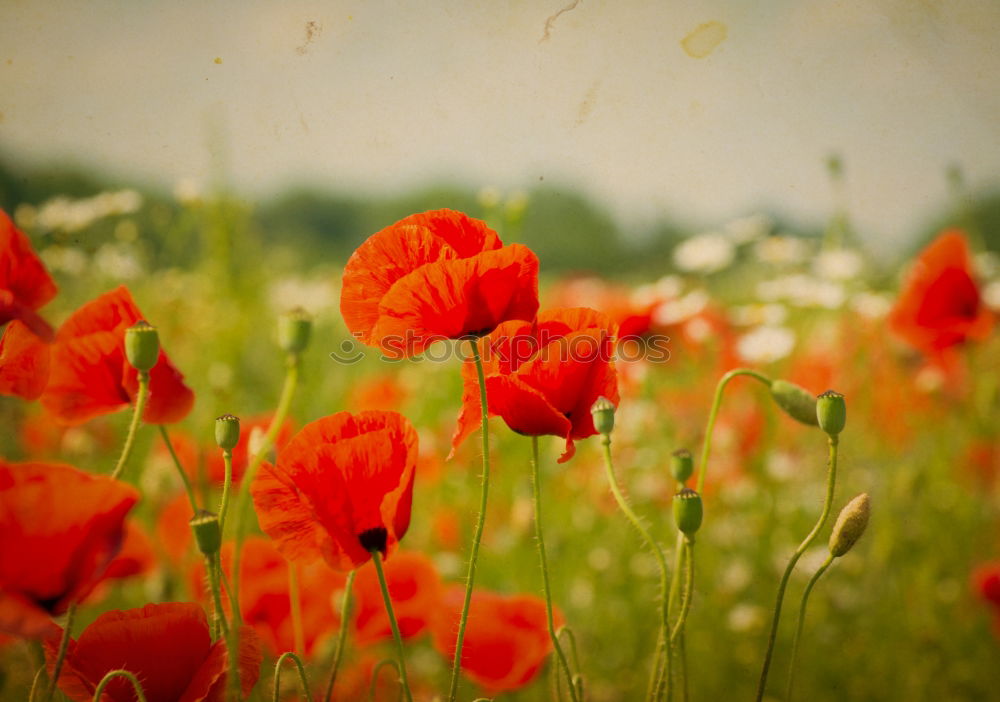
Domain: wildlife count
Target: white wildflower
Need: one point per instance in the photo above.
(781, 250)
(681, 309)
(842, 264)
(704, 253)
(991, 294)
(747, 229)
(766, 344)
(871, 305)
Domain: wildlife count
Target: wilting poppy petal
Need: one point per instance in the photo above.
(24, 362)
(414, 588)
(340, 482)
(25, 285)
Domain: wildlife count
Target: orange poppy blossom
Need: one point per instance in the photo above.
(166, 646)
(342, 488)
(25, 285)
(542, 377)
(90, 376)
(507, 639)
(24, 362)
(415, 590)
(433, 276)
(940, 306)
(59, 529)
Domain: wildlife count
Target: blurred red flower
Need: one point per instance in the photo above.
(986, 582)
(173, 529)
(939, 305)
(90, 375)
(25, 285)
(542, 377)
(432, 276)
(59, 530)
(136, 557)
(342, 487)
(24, 362)
(414, 588)
(166, 646)
(506, 639)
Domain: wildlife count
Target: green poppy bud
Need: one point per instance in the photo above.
(294, 329)
(850, 525)
(831, 412)
(797, 402)
(681, 465)
(688, 511)
(207, 532)
(142, 346)
(227, 431)
(604, 415)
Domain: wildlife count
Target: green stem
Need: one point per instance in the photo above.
(377, 559)
(120, 673)
(295, 600)
(303, 679)
(665, 685)
(345, 610)
(233, 679)
(227, 483)
(61, 655)
(798, 628)
(776, 616)
(180, 469)
(140, 404)
(456, 666)
(650, 542)
(688, 589)
(373, 687)
(575, 658)
(546, 588)
(34, 682)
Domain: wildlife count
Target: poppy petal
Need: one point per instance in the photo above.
(24, 362)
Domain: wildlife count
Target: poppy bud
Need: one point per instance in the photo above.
(207, 532)
(850, 525)
(681, 465)
(227, 431)
(142, 346)
(797, 402)
(294, 328)
(831, 412)
(688, 511)
(604, 415)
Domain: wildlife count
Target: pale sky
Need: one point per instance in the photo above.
(384, 95)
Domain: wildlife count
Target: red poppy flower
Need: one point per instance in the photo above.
(506, 639)
(90, 375)
(414, 588)
(543, 377)
(59, 530)
(264, 600)
(166, 646)
(940, 306)
(136, 557)
(986, 581)
(173, 529)
(432, 276)
(24, 362)
(342, 487)
(216, 468)
(25, 285)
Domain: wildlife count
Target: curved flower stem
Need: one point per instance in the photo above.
(180, 469)
(227, 484)
(295, 600)
(650, 542)
(546, 588)
(377, 559)
(802, 617)
(345, 611)
(831, 480)
(576, 659)
(477, 537)
(303, 679)
(61, 655)
(120, 673)
(140, 404)
(34, 682)
(372, 688)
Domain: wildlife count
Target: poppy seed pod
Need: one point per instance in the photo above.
(142, 346)
(831, 412)
(797, 402)
(850, 525)
(604, 415)
(294, 329)
(681, 465)
(207, 532)
(688, 511)
(227, 431)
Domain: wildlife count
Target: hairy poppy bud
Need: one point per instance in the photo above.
(142, 346)
(604, 415)
(797, 402)
(850, 525)
(681, 465)
(227, 431)
(294, 328)
(831, 412)
(688, 511)
(207, 532)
